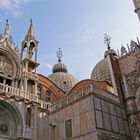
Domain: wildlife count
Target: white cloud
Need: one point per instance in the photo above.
(47, 65)
(85, 38)
(13, 6)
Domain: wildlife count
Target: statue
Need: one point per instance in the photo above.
(133, 45)
(7, 29)
(123, 50)
(6, 32)
(28, 117)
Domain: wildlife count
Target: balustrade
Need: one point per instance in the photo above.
(30, 75)
(25, 95)
(92, 88)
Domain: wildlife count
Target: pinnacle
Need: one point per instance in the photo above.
(30, 31)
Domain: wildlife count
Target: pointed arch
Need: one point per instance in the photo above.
(11, 119)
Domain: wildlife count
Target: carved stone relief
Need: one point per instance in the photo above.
(6, 66)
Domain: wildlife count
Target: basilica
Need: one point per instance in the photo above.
(59, 107)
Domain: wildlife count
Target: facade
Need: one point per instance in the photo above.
(137, 7)
(59, 107)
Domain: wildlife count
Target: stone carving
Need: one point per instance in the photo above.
(123, 50)
(3, 128)
(7, 29)
(28, 117)
(133, 45)
(5, 65)
(6, 32)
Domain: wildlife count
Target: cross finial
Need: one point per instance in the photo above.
(107, 41)
(59, 55)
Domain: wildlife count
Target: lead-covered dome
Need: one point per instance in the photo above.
(59, 67)
(61, 77)
(101, 71)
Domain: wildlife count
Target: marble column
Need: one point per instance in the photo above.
(25, 84)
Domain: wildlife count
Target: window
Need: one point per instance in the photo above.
(47, 98)
(65, 82)
(68, 128)
(39, 92)
(28, 117)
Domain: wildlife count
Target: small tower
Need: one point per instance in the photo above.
(114, 68)
(29, 58)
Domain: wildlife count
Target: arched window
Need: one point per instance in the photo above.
(39, 92)
(28, 116)
(47, 96)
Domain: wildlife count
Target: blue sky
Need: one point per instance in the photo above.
(75, 26)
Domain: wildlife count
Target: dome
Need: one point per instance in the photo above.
(59, 67)
(101, 71)
(61, 78)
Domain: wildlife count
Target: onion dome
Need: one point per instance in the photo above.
(61, 77)
(101, 71)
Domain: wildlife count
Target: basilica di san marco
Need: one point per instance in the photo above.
(59, 107)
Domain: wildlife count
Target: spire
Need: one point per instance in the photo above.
(7, 29)
(59, 55)
(31, 31)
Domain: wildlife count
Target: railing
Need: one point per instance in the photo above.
(92, 88)
(45, 105)
(31, 75)
(10, 91)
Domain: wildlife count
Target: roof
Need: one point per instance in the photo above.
(62, 78)
(101, 71)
